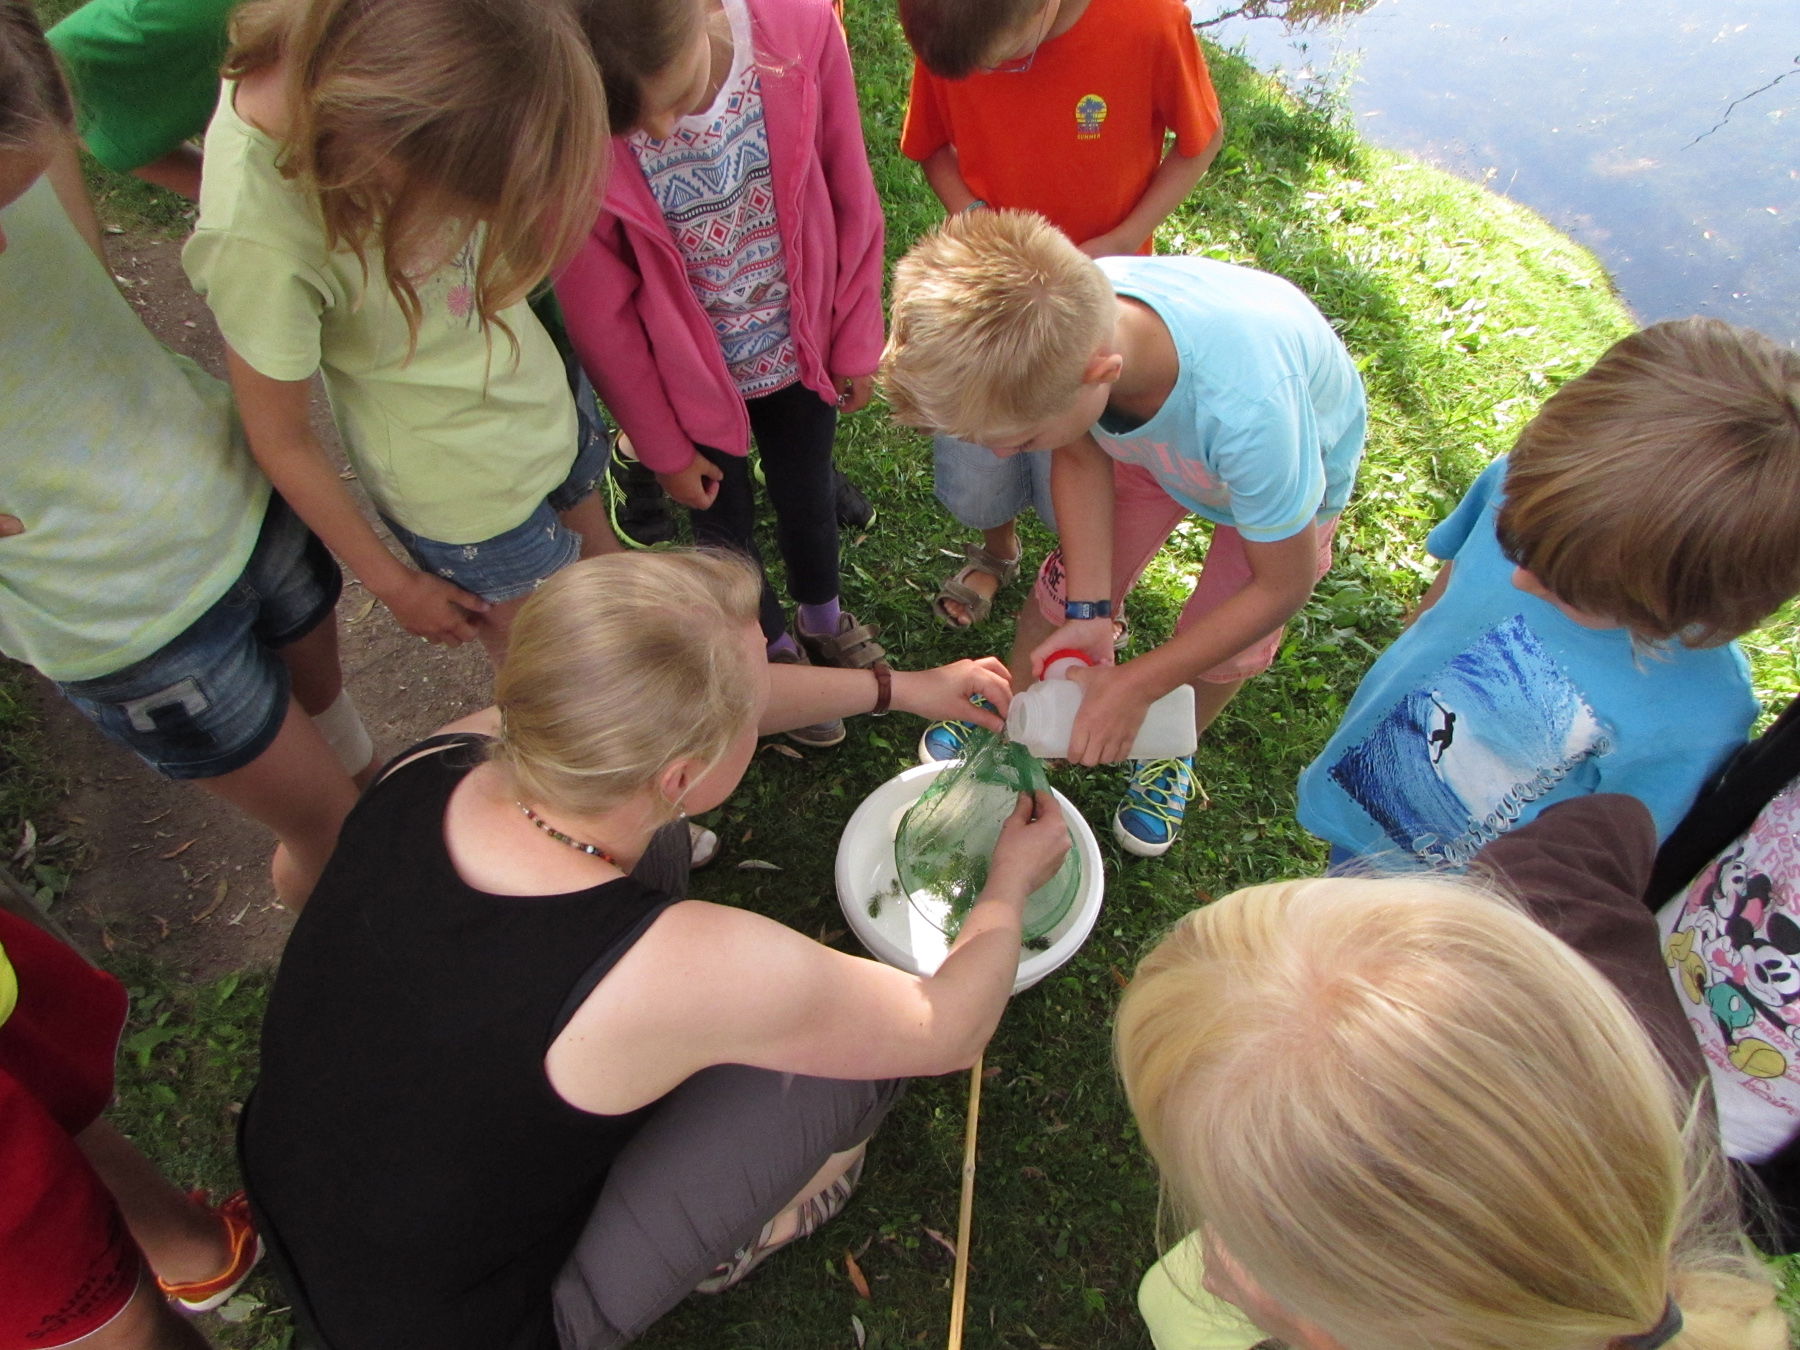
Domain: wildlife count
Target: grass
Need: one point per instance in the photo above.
(1463, 311)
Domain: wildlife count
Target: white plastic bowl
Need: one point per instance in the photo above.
(904, 938)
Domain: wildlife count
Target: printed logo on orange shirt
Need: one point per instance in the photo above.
(1090, 112)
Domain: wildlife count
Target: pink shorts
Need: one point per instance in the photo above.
(1143, 518)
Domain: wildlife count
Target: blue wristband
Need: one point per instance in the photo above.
(1087, 609)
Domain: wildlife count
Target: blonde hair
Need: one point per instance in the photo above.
(619, 666)
(1660, 488)
(995, 318)
(1414, 1117)
(415, 123)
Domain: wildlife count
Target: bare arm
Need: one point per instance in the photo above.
(277, 422)
(800, 695)
(1169, 186)
(751, 991)
(945, 176)
(178, 171)
(1433, 594)
(1081, 485)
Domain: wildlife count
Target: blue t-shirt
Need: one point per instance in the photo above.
(1495, 705)
(1264, 428)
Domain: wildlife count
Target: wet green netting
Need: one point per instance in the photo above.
(946, 839)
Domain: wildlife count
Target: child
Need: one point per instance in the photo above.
(1060, 107)
(1166, 387)
(145, 565)
(491, 1023)
(732, 283)
(1399, 1112)
(1577, 638)
(385, 182)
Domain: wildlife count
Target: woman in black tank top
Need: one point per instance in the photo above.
(512, 1096)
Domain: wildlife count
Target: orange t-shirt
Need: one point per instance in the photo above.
(1080, 134)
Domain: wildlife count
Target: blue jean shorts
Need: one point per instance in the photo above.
(984, 491)
(213, 700)
(517, 562)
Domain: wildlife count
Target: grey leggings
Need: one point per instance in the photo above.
(721, 1156)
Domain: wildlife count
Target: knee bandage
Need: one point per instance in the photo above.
(342, 727)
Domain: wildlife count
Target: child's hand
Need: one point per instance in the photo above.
(1093, 638)
(696, 486)
(1112, 711)
(1107, 246)
(433, 608)
(945, 692)
(10, 525)
(854, 391)
(1032, 845)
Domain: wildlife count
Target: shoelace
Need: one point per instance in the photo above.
(1161, 787)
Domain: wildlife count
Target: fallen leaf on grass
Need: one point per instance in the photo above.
(944, 1242)
(106, 939)
(858, 1281)
(363, 613)
(158, 816)
(27, 841)
(1203, 896)
(746, 838)
(992, 1071)
(178, 850)
(757, 865)
(826, 939)
(217, 900)
(239, 916)
(781, 749)
(856, 1329)
(1119, 977)
(1033, 1173)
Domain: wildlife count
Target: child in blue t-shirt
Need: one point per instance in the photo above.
(1578, 637)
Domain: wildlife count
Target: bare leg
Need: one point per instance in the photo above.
(588, 519)
(1210, 700)
(299, 790)
(1003, 542)
(495, 628)
(318, 679)
(147, 1323)
(182, 1242)
(1033, 629)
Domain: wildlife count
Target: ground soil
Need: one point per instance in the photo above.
(167, 865)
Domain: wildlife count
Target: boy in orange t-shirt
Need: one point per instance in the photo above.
(1063, 107)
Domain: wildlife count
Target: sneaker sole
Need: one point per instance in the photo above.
(1132, 844)
(816, 743)
(926, 757)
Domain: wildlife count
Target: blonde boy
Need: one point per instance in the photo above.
(1164, 387)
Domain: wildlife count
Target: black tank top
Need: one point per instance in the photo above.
(419, 1172)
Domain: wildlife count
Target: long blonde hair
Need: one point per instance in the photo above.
(620, 665)
(416, 123)
(1414, 1117)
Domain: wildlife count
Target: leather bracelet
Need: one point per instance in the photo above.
(884, 688)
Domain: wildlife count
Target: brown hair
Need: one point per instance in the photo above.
(602, 653)
(634, 40)
(416, 122)
(952, 38)
(1660, 489)
(33, 98)
(995, 317)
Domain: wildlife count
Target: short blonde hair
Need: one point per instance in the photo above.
(995, 318)
(620, 665)
(1661, 487)
(1415, 1117)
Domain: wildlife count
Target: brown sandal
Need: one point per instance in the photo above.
(957, 588)
(852, 647)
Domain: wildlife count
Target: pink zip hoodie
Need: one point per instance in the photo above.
(636, 323)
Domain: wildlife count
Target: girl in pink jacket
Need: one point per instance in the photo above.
(732, 283)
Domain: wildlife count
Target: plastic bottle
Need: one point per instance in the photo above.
(1041, 718)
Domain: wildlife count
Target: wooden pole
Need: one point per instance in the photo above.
(966, 1213)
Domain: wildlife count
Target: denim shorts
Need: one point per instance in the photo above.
(213, 700)
(984, 491)
(517, 562)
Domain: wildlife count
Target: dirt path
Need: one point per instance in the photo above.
(172, 869)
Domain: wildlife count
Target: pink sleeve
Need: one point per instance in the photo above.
(598, 292)
(857, 331)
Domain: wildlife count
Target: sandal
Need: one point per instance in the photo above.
(957, 588)
(810, 1215)
(244, 1245)
(852, 647)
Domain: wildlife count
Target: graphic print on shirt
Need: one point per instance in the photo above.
(1734, 952)
(1454, 764)
(1090, 115)
(1181, 476)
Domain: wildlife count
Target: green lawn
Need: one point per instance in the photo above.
(1463, 312)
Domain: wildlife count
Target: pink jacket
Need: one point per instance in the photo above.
(636, 323)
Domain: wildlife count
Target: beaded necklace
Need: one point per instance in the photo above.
(562, 838)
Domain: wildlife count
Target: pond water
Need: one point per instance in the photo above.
(1611, 117)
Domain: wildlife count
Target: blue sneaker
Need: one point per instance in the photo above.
(1149, 817)
(946, 740)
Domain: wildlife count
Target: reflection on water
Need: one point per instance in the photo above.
(1602, 114)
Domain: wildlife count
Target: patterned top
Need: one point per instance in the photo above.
(711, 178)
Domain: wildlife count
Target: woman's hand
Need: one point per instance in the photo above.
(944, 693)
(696, 486)
(432, 608)
(1032, 845)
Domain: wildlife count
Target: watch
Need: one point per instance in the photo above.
(1087, 609)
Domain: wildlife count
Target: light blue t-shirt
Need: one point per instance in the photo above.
(1264, 428)
(1495, 705)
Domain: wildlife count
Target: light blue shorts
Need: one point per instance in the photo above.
(984, 491)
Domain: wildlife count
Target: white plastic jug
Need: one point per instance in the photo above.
(1041, 718)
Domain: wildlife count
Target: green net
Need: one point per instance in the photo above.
(946, 839)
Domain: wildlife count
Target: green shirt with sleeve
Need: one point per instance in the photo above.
(145, 73)
(140, 500)
(459, 441)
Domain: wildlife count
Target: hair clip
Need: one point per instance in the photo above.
(1659, 1335)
